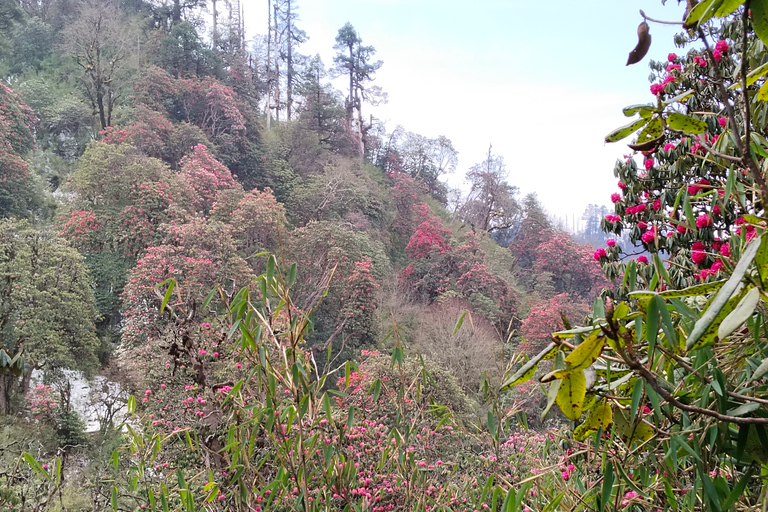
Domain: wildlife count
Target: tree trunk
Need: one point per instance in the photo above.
(215, 34)
(6, 383)
(289, 62)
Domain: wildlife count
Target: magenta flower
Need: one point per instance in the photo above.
(656, 89)
(648, 236)
(642, 225)
(721, 46)
(657, 205)
(642, 259)
(648, 164)
(717, 55)
(698, 256)
(622, 185)
(610, 242)
(703, 221)
(672, 57)
(722, 121)
(599, 254)
(725, 250)
(615, 197)
(669, 146)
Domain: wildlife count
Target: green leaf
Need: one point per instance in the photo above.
(761, 370)
(687, 124)
(693, 291)
(292, 275)
(570, 397)
(744, 409)
(645, 111)
(737, 491)
(459, 322)
(35, 465)
(171, 284)
(528, 369)
(652, 131)
(760, 20)
(607, 490)
(625, 131)
(702, 12)
(740, 314)
(680, 97)
(728, 7)
(113, 498)
(724, 295)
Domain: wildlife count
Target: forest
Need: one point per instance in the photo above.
(224, 285)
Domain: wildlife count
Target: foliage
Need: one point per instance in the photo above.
(16, 139)
(46, 307)
(665, 377)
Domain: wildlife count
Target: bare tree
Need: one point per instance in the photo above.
(491, 204)
(100, 40)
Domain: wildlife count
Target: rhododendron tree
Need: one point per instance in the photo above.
(46, 308)
(672, 362)
(16, 139)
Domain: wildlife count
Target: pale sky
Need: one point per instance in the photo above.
(544, 82)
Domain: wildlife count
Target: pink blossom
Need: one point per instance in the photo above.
(648, 236)
(648, 164)
(681, 229)
(642, 225)
(656, 89)
(722, 121)
(615, 197)
(673, 67)
(717, 55)
(722, 46)
(716, 210)
(642, 259)
(717, 267)
(672, 57)
(599, 254)
(657, 205)
(610, 242)
(698, 256)
(703, 221)
(622, 185)
(669, 146)
(725, 250)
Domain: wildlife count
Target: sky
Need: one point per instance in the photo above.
(542, 82)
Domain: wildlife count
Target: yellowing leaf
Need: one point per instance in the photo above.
(570, 397)
(587, 352)
(625, 131)
(740, 313)
(631, 433)
(600, 415)
(687, 124)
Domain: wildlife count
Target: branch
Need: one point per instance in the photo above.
(612, 329)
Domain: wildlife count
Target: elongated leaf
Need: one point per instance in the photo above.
(171, 285)
(631, 432)
(737, 491)
(680, 97)
(607, 490)
(702, 12)
(762, 94)
(760, 19)
(625, 131)
(36, 465)
(645, 111)
(687, 124)
(459, 322)
(727, 7)
(587, 352)
(528, 369)
(693, 291)
(761, 370)
(652, 131)
(744, 409)
(570, 333)
(740, 314)
(113, 498)
(710, 335)
(724, 295)
(600, 415)
(570, 397)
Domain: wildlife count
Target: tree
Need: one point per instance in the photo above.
(16, 139)
(354, 60)
(100, 41)
(46, 307)
(291, 36)
(491, 203)
(688, 332)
